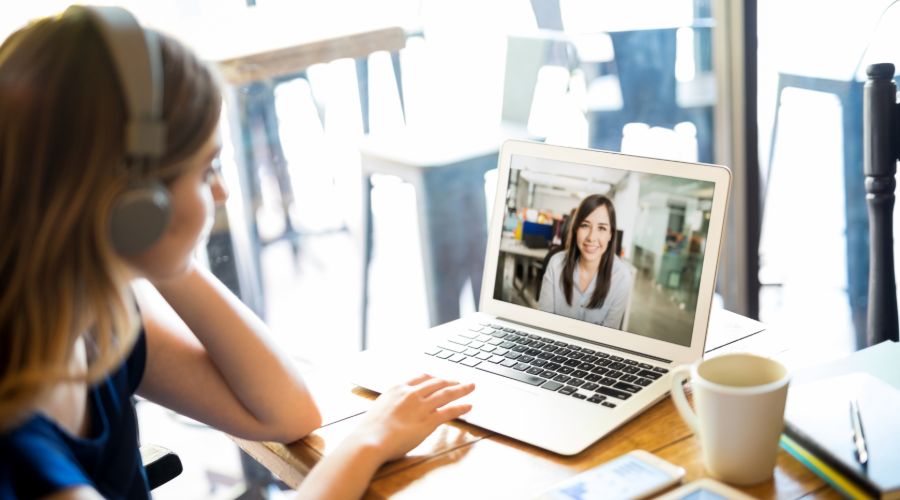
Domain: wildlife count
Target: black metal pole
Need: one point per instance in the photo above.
(880, 149)
(752, 185)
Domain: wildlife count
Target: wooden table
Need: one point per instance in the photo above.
(459, 460)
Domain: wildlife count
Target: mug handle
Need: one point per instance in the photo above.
(679, 375)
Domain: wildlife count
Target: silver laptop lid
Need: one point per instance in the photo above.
(649, 238)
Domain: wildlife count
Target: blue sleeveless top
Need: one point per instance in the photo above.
(39, 458)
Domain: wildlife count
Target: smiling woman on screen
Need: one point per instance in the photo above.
(588, 281)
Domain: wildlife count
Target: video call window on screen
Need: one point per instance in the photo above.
(631, 244)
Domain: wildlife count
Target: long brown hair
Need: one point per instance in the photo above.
(604, 273)
(62, 117)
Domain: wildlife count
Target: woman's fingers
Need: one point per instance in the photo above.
(450, 393)
(419, 379)
(448, 413)
(428, 387)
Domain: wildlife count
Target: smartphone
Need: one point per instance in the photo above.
(705, 489)
(636, 474)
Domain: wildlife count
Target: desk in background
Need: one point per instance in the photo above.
(514, 252)
(255, 49)
(459, 460)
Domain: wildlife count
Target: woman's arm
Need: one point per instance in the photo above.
(208, 357)
(398, 421)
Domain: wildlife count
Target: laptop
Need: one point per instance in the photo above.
(562, 373)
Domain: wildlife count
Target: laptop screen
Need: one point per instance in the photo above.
(603, 245)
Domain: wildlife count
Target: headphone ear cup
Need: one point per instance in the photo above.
(139, 218)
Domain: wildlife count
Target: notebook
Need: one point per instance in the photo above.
(554, 366)
(818, 422)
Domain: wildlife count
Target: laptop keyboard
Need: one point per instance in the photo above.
(569, 370)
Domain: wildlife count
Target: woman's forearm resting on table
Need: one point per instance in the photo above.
(235, 378)
(344, 473)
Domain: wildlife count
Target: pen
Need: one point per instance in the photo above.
(859, 439)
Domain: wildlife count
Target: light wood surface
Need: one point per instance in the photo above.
(304, 53)
(459, 460)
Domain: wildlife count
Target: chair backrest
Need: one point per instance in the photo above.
(526, 54)
(881, 145)
(160, 464)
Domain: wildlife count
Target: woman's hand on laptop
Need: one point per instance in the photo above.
(398, 421)
(406, 414)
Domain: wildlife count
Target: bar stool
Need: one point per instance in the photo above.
(447, 170)
(450, 206)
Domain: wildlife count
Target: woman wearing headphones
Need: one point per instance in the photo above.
(106, 186)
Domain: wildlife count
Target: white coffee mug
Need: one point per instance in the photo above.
(740, 413)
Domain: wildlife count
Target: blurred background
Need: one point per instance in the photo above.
(335, 214)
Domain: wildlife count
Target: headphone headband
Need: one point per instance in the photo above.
(141, 214)
(136, 56)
